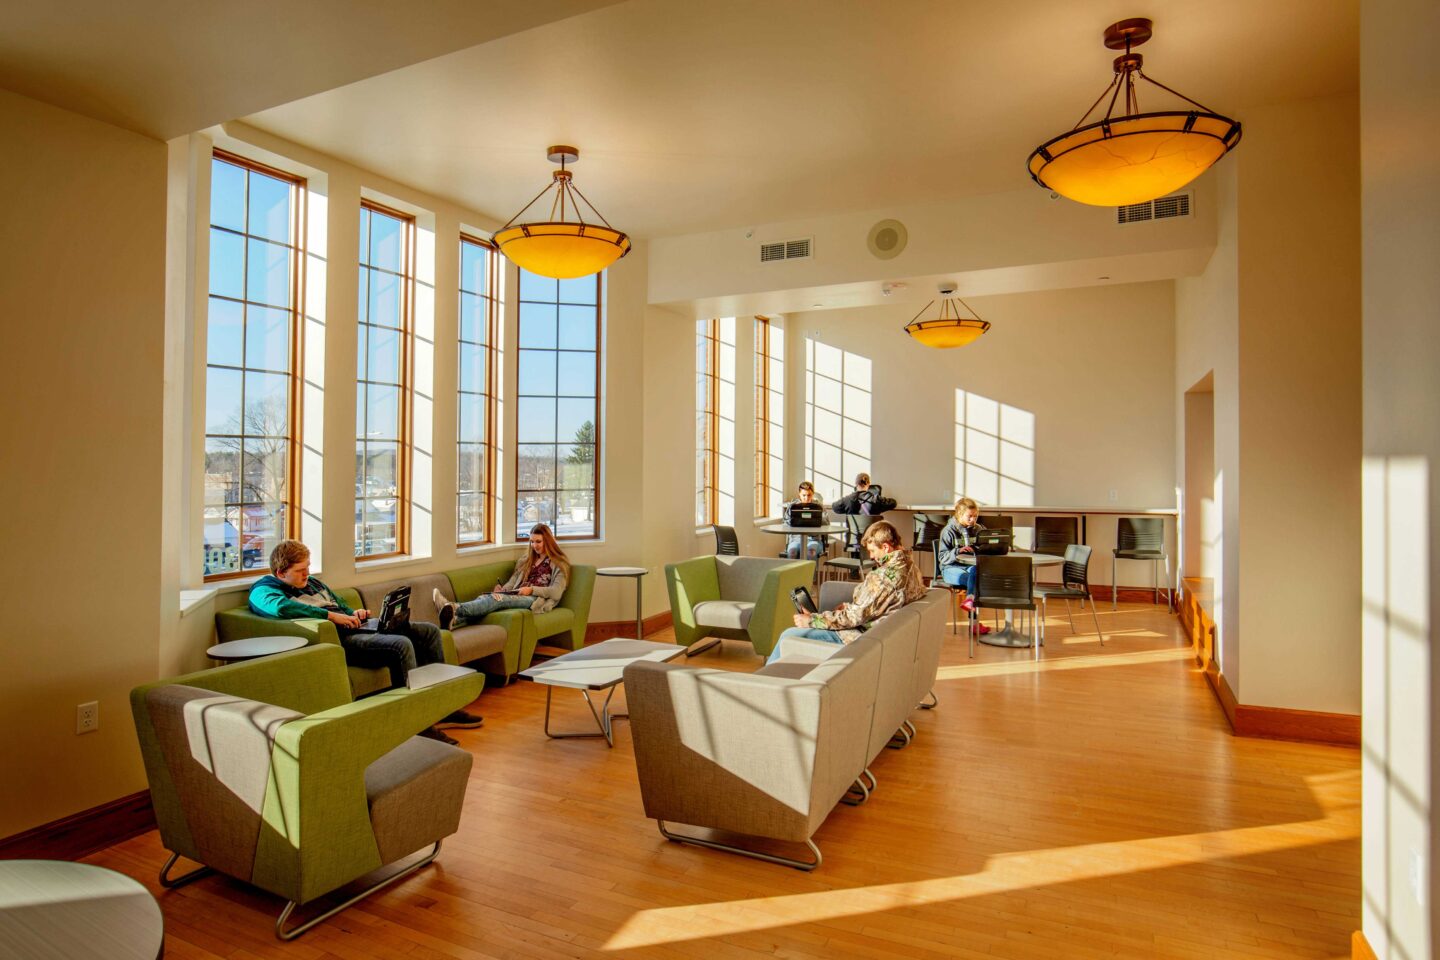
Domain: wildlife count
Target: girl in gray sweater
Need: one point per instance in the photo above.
(537, 584)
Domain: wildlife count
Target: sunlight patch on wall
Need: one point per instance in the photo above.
(994, 451)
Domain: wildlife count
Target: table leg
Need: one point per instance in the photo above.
(602, 717)
(1006, 636)
(639, 615)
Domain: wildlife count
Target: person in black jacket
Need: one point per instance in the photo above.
(856, 502)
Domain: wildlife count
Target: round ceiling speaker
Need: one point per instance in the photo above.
(887, 239)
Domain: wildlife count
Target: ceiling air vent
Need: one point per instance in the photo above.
(1166, 208)
(785, 250)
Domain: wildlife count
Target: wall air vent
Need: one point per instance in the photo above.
(785, 250)
(1166, 208)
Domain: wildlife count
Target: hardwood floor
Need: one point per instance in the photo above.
(1093, 806)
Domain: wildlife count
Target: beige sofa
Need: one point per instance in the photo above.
(769, 754)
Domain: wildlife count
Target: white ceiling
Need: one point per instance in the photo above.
(699, 116)
(169, 67)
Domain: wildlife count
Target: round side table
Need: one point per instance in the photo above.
(58, 910)
(639, 574)
(252, 647)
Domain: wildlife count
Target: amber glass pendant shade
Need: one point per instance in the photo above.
(949, 328)
(1133, 157)
(561, 248)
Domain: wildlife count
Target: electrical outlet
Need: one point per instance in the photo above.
(1114, 496)
(87, 717)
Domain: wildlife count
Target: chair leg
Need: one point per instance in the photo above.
(857, 794)
(1035, 638)
(294, 932)
(170, 883)
(696, 651)
(1169, 587)
(768, 858)
(970, 623)
(934, 702)
(1097, 625)
(1071, 613)
(1155, 580)
(1114, 585)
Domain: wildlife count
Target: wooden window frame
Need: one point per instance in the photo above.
(710, 442)
(595, 533)
(407, 380)
(762, 417)
(298, 218)
(491, 297)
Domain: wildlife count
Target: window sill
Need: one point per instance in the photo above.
(766, 521)
(391, 563)
(191, 600)
(485, 549)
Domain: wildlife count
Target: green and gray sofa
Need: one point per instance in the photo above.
(269, 772)
(502, 645)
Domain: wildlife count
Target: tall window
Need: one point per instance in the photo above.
(382, 387)
(769, 417)
(251, 488)
(837, 418)
(475, 483)
(715, 421)
(557, 410)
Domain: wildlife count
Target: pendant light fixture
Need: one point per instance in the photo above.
(949, 328)
(1134, 157)
(561, 248)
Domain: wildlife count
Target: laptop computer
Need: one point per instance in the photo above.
(992, 543)
(394, 613)
(805, 515)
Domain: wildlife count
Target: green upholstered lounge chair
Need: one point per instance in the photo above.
(744, 598)
(267, 771)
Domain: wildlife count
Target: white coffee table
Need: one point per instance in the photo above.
(598, 667)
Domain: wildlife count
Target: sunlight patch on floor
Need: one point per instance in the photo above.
(968, 670)
(1006, 873)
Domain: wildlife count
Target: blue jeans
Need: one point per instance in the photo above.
(804, 633)
(959, 575)
(473, 610)
(813, 547)
(400, 654)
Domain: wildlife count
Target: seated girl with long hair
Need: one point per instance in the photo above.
(538, 584)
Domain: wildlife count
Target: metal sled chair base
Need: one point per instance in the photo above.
(934, 701)
(170, 883)
(859, 792)
(754, 854)
(696, 651)
(901, 738)
(290, 906)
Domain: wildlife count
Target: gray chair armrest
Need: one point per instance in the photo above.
(835, 592)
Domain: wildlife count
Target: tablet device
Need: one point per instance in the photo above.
(802, 600)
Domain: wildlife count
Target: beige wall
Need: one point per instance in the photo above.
(1275, 318)
(1207, 337)
(1400, 104)
(83, 274)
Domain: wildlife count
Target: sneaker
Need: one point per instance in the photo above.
(968, 604)
(431, 733)
(981, 629)
(460, 720)
(446, 608)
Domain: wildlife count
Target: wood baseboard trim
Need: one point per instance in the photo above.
(1101, 591)
(83, 833)
(609, 629)
(1360, 947)
(1281, 723)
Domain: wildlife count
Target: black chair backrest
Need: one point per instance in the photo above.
(1141, 533)
(927, 531)
(855, 526)
(1077, 566)
(1004, 578)
(997, 522)
(726, 543)
(1054, 534)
